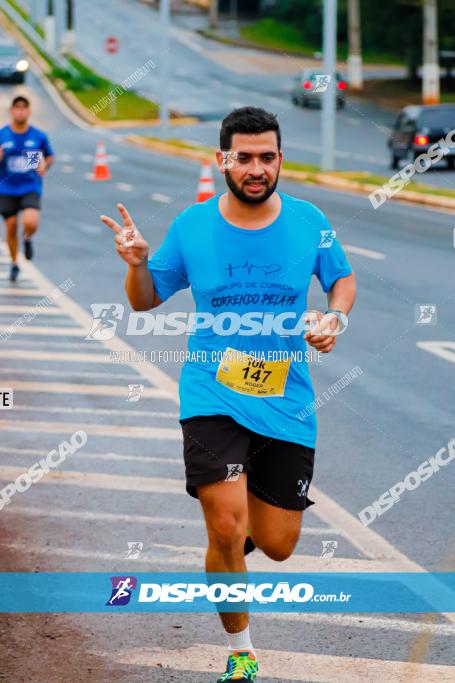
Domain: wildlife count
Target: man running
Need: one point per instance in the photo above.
(252, 250)
(25, 156)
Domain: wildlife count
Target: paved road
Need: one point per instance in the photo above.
(209, 79)
(126, 484)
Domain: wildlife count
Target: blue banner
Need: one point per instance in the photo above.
(201, 592)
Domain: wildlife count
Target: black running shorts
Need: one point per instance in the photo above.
(11, 204)
(217, 448)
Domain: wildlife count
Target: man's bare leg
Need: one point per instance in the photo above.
(225, 507)
(11, 236)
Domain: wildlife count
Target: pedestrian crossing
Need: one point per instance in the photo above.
(128, 482)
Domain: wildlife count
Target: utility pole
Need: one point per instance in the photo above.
(329, 97)
(69, 35)
(49, 25)
(165, 16)
(430, 69)
(213, 14)
(32, 17)
(355, 76)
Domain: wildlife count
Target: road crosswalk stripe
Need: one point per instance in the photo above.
(53, 331)
(92, 389)
(59, 410)
(192, 558)
(16, 309)
(67, 356)
(29, 291)
(32, 511)
(110, 430)
(71, 373)
(115, 457)
(274, 664)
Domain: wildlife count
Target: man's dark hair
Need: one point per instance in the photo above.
(20, 98)
(247, 121)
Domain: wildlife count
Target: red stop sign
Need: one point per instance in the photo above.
(111, 44)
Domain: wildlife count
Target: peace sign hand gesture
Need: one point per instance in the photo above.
(130, 244)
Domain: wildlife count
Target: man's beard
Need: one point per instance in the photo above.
(240, 194)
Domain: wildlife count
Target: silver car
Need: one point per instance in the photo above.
(309, 86)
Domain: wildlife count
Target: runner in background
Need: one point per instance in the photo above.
(25, 157)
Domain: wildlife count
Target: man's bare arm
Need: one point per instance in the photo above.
(140, 288)
(134, 250)
(342, 294)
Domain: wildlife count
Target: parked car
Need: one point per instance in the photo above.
(419, 127)
(309, 86)
(13, 65)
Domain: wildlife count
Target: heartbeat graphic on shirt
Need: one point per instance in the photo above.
(267, 270)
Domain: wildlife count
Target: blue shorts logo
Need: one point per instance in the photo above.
(122, 587)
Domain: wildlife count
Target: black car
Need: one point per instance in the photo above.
(13, 65)
(417, 128)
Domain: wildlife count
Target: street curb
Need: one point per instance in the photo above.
(329, 181)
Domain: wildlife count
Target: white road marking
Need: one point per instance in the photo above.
(88, 389)
(92, 429)
(296, 666)
(163, 198)
(124, 187)
(71, 373)
(114, 457)
(88, 228)
(193, 557)
(51, 331)
(365, 621)
(133, 412)
(15, 309)
(66, 356)
(89, 516)
(360, 251)
(66, 168)
(155, 375)
(100, 480)
(442, 349)
(15, 291)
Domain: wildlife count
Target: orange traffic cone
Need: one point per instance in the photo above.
(101, 169)
(206, 187)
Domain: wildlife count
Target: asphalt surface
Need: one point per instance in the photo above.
(123, 486)
(208, 79)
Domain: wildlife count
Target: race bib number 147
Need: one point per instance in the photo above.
(246, 374)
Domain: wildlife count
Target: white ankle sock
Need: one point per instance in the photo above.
(241, 640)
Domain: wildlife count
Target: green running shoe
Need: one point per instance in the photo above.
(242, 666)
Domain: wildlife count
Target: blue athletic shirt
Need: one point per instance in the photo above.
(266, 270)
(21, 153)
